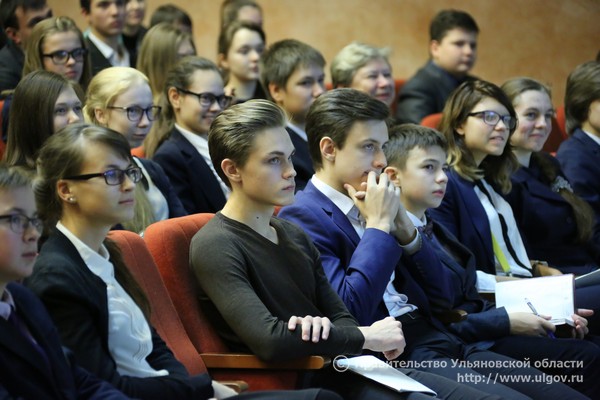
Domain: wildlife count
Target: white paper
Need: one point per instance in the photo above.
(375, 369)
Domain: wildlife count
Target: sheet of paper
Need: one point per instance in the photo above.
(377, 370)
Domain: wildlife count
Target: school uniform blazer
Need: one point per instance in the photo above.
(191, 177)
(99, 62)
(301, 160)
(462, 214)
(546, 220)
(12, 59)
(77, 302)
(22, 368)
(163, 184)
(484, 321)
(360, 269)
(579, 157)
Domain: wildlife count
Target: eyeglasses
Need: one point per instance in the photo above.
(207, 99)
(61, 57)
(492, 118)
(20, 222)
(135, 113)
(113, 177)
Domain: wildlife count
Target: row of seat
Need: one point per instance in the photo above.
(160, 263)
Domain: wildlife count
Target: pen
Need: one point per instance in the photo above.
(550, 333)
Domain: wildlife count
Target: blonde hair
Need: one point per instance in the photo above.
(353, 57)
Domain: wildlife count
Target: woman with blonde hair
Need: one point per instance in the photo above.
(120, 98)
(163, 45)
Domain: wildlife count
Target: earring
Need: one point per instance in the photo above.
(71, 199)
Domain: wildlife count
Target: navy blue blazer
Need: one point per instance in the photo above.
(158, 176)
(425, 93)
(547, 221)
(22, 368)
(301, 160)
(579, 157)
(191, 177)
(99, 62)
(12, 59)
(360, 269)
(77, 302)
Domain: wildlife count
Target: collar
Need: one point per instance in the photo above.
(341, 201)
(595, 138)
(416, 221)
(195, 139)
(298, 131)
(105, 49)
(7, 304)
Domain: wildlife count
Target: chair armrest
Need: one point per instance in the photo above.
(451, 316)
(250, 361)
(489, 296)
(238, 386)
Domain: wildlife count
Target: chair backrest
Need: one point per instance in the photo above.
(169, 243)
(138, 152)
(164, 316)
(432, 120)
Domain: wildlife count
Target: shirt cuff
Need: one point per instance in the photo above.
(414, 245)
(486, 282)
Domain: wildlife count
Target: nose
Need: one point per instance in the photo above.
(215, 106)
(31, 233)
(144, 121)
(382, 81)
(73, 117)
(128, 184)
(71, 60)
(254, 55)
(501, 125)
(290, 171)
(379, 161)
(318, 89)
(442, 177)
(541, 121)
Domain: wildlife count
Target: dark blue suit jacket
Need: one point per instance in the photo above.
(301, 160)
(579, 157)
(547, 221)
(158, 176)
(22, 369)
(99, 62)
(191, 177)
(360, 269)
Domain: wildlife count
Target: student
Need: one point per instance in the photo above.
(163, 45)
(370, 250)
(32, 362)
(478, 122)
(453, 51)
(192, 97)
(241, 45)
(367, 68)
(261, 279)
(133, 29)
(293, 76)
(34, 117)
(17, 19)
(86, 181)
(104, 40)
(173, 15)
(541, 194)
(416, 158)
(578, 155)
(57, 45)
(119, 98)
(241, 10)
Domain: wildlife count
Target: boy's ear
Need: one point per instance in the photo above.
(434, 45)
(231, 170)
(393, 175)
(327, 146)
(276, 92)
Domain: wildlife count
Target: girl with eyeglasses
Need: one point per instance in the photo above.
(193, 96)
(120, 98)
(42, 103)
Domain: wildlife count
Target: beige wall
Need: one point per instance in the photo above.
(544, 39)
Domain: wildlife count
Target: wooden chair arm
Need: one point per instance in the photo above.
(451, 316)
(238, 386)
(250, 361)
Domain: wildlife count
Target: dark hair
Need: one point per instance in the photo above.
(497, 169)
(232, 133)
(584, 214)
(446, 20)
(31, 115)
(405, 137)
(334, 113)
(8, 8)
(63, 155)
(282, 58)
(583, 88)
(231, 8)
(85, 5)
(171, 14)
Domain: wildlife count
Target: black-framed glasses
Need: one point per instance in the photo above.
(113, 177)
(492, 118)
(61, 57)
(135, 113)
(207, 99)
(20, 222)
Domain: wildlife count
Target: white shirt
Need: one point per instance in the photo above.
(298, 131)
(129, 335)
(595, 138)
(200, 143)
(109, 53)
(487, 282)
(396, 303)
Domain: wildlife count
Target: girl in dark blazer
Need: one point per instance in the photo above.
(32, 362)
(86, 185)
(120, 99)
(556, 225)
